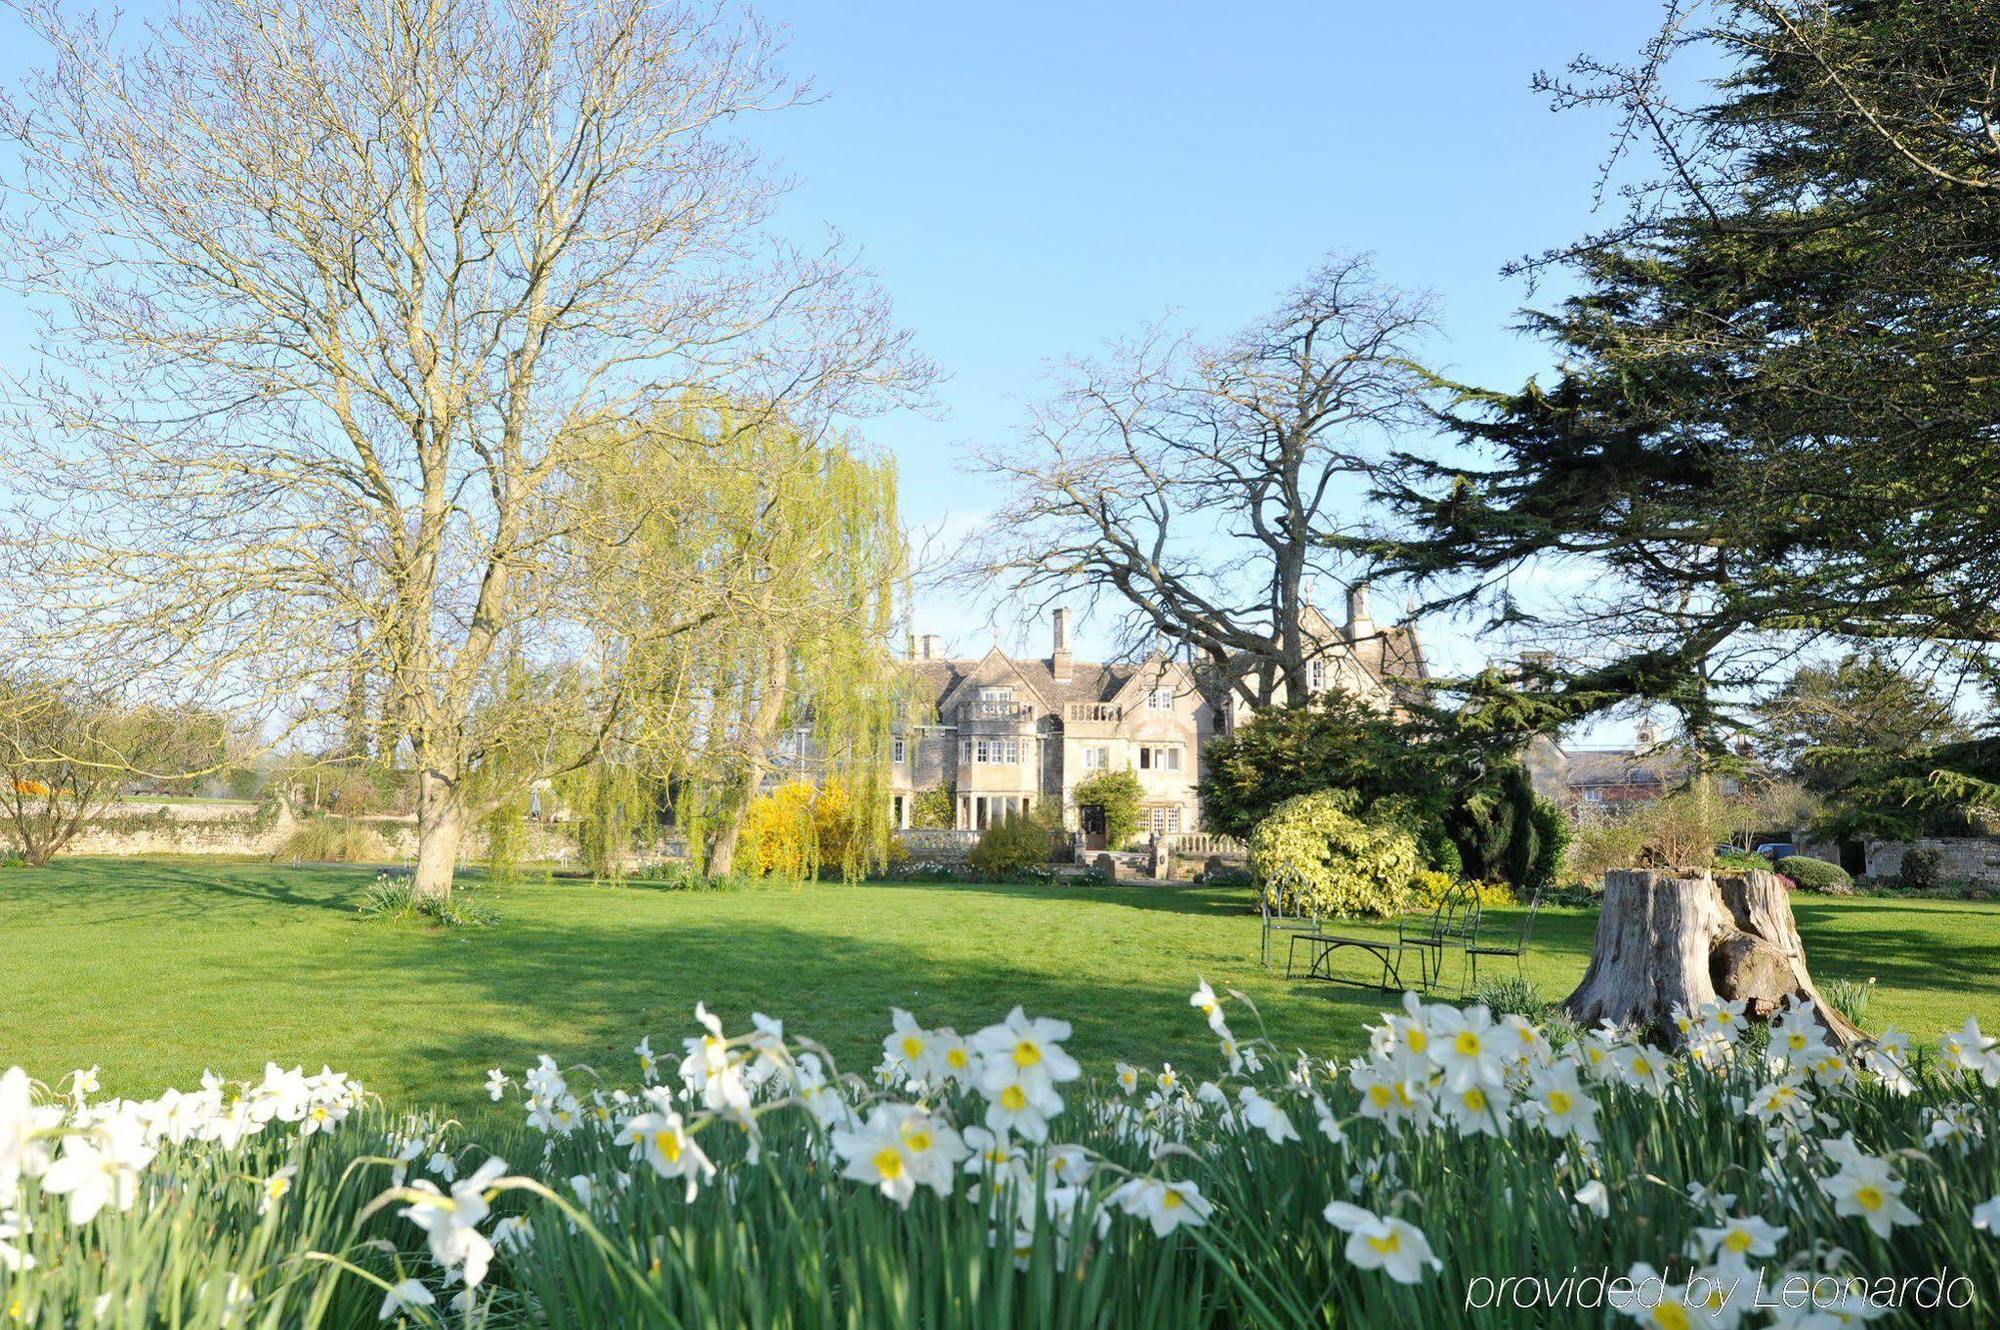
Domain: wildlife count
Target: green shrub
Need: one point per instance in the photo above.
(1335, 864)
(1922, 870)
(933, 809)
(1017, 842)
(1849, 997)
(1816, 875)
(390, 897)
(1117, 793)
(332, 840)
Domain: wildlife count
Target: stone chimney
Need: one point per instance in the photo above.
(1307, 585)
(1647, 735)
(1360, 623)
(1060, 662)
(930, 647)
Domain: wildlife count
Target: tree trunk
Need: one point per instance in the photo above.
(762, 730)
(440, 826)
(1665, 940)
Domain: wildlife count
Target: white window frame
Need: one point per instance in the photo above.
(899, 750)
(1096, 757)
(1316, 676)
(1159, 699)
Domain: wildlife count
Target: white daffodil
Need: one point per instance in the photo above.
(99, 1169)
(12, 1229)
(649, 1062)
(406, 1296)
(660, 1138)
(451, 1219)
(955, 1056)
(1643, 1067)
(1956, 1124)
(275, 1188)
(1388, 1097)
(1866, 1186)
(1168, 1081)
(907, 1048)
(497, 1082)
(1028, 1055)
(1478, 1109)
(24, 1147)
(1560, 1104)
(1469, 1048)
(1986, 1216)
(1163, 1204)
(1128, 1078)
(1378, 1242)
(1266, 1116)
(876, 1153)
(1208, 1004)
(1733, 1242)
(1593, 1196)
(932, 1147)
(989, 1152)
(1966, 1048)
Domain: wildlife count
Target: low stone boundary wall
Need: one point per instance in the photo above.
(1964, 859)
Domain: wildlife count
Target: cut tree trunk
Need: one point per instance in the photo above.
(1667, 939)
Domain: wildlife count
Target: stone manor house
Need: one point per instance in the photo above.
(1005, 734)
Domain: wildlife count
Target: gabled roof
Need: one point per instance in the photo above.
(1585, 767)
(939, 681)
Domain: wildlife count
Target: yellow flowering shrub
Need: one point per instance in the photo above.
(1331, 861)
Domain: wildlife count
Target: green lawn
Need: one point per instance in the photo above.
(157, 970)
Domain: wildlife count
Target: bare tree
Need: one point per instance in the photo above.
(333, 294)
(66, 751)
(1196, 485)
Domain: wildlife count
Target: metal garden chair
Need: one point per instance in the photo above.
(1453, 922)
(1505, 945)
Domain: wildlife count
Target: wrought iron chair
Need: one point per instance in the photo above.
(1453, 922)
(1514, 944)
(1278, 903)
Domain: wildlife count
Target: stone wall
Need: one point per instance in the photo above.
(1960, 859)
(248, 831)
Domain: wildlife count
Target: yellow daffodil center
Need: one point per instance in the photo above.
(1560, 1102)
(956, 1058)
(1798, 1041)
(668, 1143)
(1170, 1200)
(1388, 1244)
(1475, 1099)
(1027, 1053)
(1418, 1040)
(1641, 1067)
(1672, 1316)
(918, 1140)
(1380, 1096)
(1467, 1044)
(888, 1162)
(1738, 1241)
(1013, 1099)
(913, 1047)
(1870, 1198)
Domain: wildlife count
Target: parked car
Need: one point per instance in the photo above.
(1776, 850)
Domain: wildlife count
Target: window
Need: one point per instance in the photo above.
(898, 752)
(996, 694)
(1316, 676)
(1159, 699)
(1096, 759)
(1164, 819)
(1160, 759)
(989, 750)
(1593, 796)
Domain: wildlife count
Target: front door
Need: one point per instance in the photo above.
(1090, 817)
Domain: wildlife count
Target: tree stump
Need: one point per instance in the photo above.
(1667, 939)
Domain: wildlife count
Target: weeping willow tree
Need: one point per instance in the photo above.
(758, 567)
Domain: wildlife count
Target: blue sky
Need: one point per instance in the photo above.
(1035, 179)
(1031, 180)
